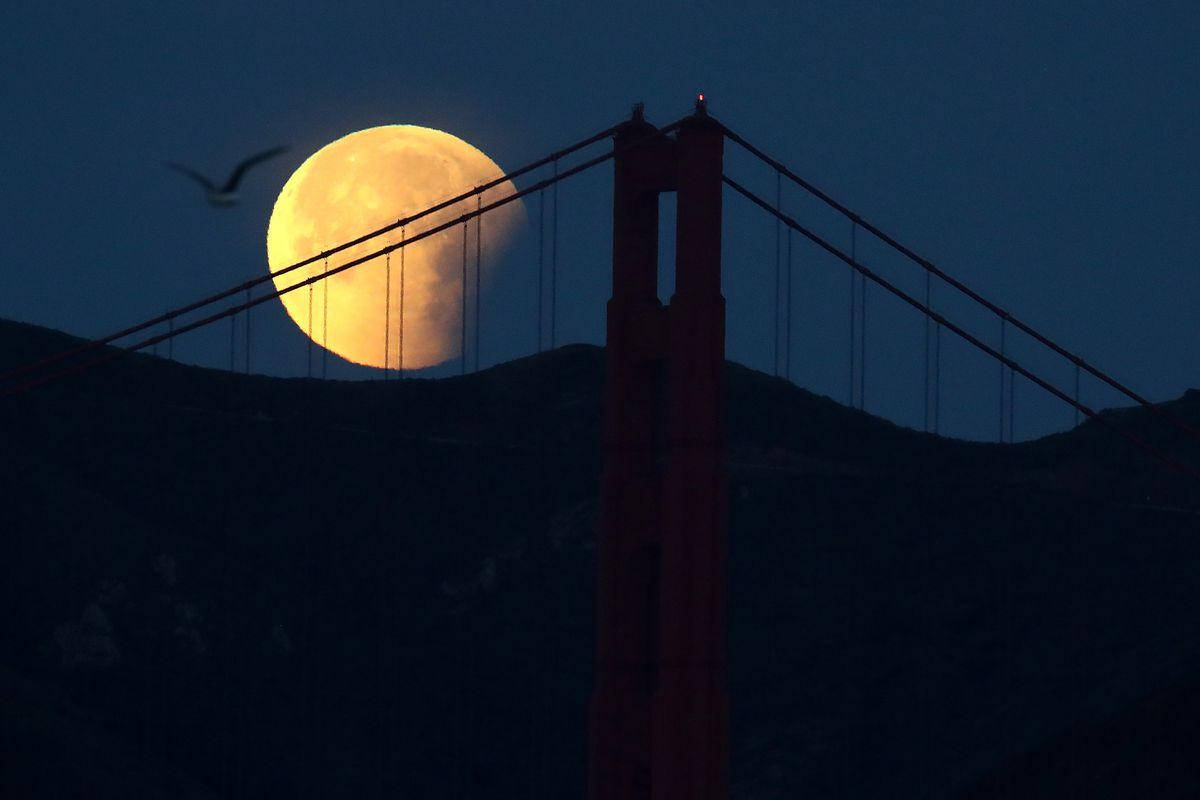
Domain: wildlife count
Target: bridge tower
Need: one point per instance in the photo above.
(659, 712)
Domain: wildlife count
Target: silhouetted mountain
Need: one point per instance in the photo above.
(240, 586)
(1145, 750)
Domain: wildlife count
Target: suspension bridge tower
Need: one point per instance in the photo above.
(659, 712)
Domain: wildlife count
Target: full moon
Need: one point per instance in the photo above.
(364, 181)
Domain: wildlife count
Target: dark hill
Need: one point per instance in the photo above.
(235, 585)
(1146, 750)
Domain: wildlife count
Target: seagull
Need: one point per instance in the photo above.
(225, 196)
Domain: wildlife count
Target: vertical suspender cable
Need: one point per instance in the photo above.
(853, 323)
(310, 329)
(325, 323)
(478, 267)
(927, 276)
(462, 346)
(400, 336)
(1003, 351)
(778, 271)
(862, 343)
(1077, 395)
(541, 262)
(247, 331)
(1012, 384)
(787, 372)
(554, 261)
(937, 378)
(227, 738)
(387, 314)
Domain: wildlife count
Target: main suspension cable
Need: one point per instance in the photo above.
(253, 282)
(927, 265)
(277, 293)
(960, 332)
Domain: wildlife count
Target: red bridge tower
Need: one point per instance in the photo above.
(659, 714)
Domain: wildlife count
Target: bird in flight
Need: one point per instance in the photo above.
(225, 196)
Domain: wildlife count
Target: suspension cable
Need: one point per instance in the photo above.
(554, 259)
(853, 324)
(462, 347)
(927, 281)
(247, 332)
(232, 291)
(117, 352)
(778, 270)
(1077, 394)
(960, 332)
(862, 343)
(961, 287)
(1012, 383)
(1002, 368)
(387, 315)
(400, 336)
(325, 323)
(478, 267)
(310, 328)
(541, 264)
(937, 377)
(787, 373)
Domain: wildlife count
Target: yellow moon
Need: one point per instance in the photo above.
(364, 181)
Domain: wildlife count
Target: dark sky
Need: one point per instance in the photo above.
(1046, 153)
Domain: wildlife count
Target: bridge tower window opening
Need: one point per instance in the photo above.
(665, 277)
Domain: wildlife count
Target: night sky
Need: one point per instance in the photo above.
(1048, 154)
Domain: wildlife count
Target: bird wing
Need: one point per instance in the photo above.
(241, 168)
(191, 173)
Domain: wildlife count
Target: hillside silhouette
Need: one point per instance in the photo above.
(220, 585)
